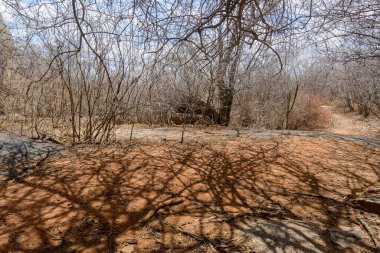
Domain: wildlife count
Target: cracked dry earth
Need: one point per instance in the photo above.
(276, 193)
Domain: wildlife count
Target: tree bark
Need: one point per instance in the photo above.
(6, 48)
(224, 84)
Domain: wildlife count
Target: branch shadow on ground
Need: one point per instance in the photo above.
(95, 199)
(20, 156)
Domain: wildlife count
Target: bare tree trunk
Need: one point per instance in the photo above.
(226, 86)
(349, 103)
(6, 48)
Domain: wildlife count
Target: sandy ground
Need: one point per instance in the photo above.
(219, 191)
(108, 199)
(345, 126)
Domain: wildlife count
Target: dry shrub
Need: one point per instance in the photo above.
(308, 113)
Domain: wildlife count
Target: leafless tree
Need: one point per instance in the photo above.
(87, 66)
(6, 48)
(349, 28)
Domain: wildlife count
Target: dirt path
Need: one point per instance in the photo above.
(194, 134)
(350, 123)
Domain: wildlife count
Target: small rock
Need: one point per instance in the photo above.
(127, 249)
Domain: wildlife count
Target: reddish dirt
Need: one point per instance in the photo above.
(93, 199)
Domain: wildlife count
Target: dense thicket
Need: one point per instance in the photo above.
(81, 68)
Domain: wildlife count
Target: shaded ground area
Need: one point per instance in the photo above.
(217, 193)
(17, 153)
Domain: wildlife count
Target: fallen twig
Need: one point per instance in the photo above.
(257, 213)
(217, 246)
(166, 203)
(315, 196)
(223, 216)
(370, 232)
